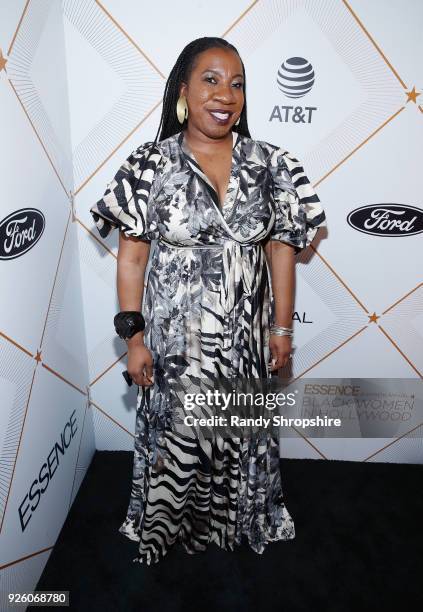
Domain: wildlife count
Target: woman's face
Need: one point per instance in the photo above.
(216, 84)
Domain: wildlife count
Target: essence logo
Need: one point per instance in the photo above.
(20, 231)
(46, 472)
(295, 79)
(387, 220)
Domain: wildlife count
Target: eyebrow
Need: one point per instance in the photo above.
(217, 72)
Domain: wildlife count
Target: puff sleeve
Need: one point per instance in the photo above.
(299, 212)
(127, 201)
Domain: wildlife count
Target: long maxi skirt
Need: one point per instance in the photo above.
(207, 315)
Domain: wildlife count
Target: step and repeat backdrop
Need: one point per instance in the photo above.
(81, 86)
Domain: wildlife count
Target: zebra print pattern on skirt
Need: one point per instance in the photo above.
(207, 491)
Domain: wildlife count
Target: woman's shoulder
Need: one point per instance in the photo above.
(149, 147)
(279, 156)
(150, 155)
(268, 151)
(272, 148)
(162, 150)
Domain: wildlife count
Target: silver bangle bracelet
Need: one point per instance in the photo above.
(280, 333)
(278, 330)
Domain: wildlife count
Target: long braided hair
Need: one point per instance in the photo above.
(169, 124)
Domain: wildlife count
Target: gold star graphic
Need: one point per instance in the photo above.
(412, 95)
(373, 318)
(38, 356)
(3, 61)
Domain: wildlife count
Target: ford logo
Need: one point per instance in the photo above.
(20, 231)
(387, 219)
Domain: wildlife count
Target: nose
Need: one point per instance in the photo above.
(225, 92)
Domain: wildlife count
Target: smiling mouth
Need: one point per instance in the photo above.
(221, 115)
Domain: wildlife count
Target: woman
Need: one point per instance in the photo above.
(226, 211)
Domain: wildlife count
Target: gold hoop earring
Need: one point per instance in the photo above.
(182, 109)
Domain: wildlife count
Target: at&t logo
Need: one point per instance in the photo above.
(295, 78)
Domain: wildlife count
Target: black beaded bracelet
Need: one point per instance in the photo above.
(128, 322)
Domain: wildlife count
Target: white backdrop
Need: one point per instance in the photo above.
(81, 86)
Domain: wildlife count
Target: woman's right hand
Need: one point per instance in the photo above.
(140, 365)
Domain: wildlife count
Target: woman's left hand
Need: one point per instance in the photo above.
(280, 349)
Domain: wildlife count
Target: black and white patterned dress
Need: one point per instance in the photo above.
(207, 305)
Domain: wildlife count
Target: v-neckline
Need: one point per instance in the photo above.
(197, 168)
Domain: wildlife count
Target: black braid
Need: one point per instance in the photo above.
(169, 124)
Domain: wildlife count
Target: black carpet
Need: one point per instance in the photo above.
(358, 547)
